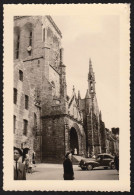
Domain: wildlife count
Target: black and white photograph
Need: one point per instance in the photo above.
(70, 95)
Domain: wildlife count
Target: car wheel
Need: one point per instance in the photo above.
(112, 166)
(89, 167)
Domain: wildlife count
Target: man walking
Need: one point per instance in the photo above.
(19, 168)
(68, 167)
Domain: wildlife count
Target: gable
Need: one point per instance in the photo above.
(73, 108)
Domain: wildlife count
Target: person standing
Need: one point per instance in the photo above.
(68, 167)
(116, 162)
(75, 151)
(26, 161)
(19, 168)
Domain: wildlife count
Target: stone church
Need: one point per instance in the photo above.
(46, 120)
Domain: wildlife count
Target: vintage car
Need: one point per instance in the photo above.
(104, 160)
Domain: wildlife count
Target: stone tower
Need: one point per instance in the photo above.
(39, 87)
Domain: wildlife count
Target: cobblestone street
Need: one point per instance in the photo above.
(55, 172)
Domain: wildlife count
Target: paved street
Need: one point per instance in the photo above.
(55, 172)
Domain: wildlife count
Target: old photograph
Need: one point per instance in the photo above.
(67, 82)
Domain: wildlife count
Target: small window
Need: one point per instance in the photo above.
(20, 75)
(26, 102)
(30, 38)
(25, 127)
(14, 123)
(15, 96)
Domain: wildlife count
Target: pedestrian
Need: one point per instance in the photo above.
(19, 168)
(68, 167)
(30, 167)
(33, 157)
(116, 162)
(26, 162)
(75, 151)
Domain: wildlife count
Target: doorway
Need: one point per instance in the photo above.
(74, 146)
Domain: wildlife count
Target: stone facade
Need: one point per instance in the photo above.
(112, 141)
(46, 120)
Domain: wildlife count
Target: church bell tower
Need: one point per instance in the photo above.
(91, 80)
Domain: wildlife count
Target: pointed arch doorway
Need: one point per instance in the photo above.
(74, 141)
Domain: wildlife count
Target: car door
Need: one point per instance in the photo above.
(106, 160)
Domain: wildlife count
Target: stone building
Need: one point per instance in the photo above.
(46, 120)
(42, 122)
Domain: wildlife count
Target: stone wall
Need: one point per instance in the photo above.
(53, 137)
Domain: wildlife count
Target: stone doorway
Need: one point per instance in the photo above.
(74, 146)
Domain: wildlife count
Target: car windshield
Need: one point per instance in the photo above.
(87, 159)
(104, 156)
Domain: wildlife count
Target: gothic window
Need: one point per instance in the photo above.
(26, 102)
(20, 75)
(14, 123)
(25, 127)
(15, 96)
(16, 42)
(44, 35)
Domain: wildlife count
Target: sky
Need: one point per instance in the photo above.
(95, 37)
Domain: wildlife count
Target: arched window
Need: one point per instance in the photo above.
(16, 42)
